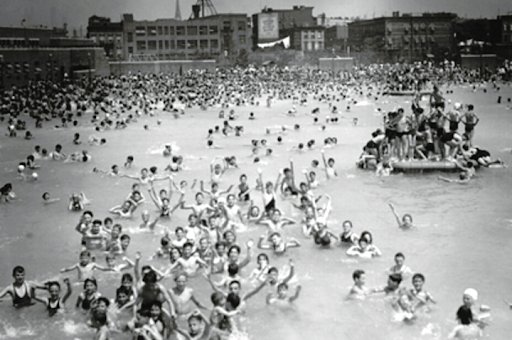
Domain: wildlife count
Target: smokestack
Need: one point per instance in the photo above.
(177, 13)
(195, 10)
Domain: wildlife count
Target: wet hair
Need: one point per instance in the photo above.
(149, 277)
(357, 274)
(396, 277)
(233, 269)
(91, 280)
(465, 315)
(419, 276)
(104, 299)
(217, 298)
(127, 277)
(18, 270)
(399, 255)
(233, 300)
(100, 318)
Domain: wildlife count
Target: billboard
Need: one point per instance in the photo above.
(268, 26)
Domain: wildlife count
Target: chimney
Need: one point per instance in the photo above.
(195, 10)
(177, 13)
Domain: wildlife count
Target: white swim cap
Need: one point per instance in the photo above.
(457, 106)
(35, 175)
(471, 293)
(21, 168)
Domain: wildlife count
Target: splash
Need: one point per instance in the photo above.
(15, 333)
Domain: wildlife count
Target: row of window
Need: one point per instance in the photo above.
(142, 31)
(312, 35)
(152, 45)
(312, 46)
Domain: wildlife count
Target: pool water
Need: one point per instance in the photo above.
(463, 236)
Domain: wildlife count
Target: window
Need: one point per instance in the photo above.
(191, 30)
(241, 25)
(140, 31)
(319, 35)
(130, 50)
(166, 30)
(214, 43)
(242, 39)
(152, 45)
(160, 30)
(171, 30)
(152, 30)
(214, 30)
(181, 44)
(203, 44)
(167, 44)
(203, 30)
(141, 45)
(226, 24)
(192, 44)
(172, 44)
(160, 45)
(180, 30)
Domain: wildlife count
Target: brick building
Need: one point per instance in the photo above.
(297, 22)
(107, 34)
(167, 39)
(406, 37)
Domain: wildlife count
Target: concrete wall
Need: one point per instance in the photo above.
(162, 66)
(336, 64)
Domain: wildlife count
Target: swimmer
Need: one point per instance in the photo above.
(21, 291)
(85, 268)
(405, 222)
(189, 262)
(54, 302)
(48, 200)
(363, 250)
(399, 267)
(182, 296)
(358, 291)
(282, 295)
(277, 243)
(276, 222)
(348, 237)
(330, 172)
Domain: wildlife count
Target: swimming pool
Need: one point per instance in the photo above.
(463, 239)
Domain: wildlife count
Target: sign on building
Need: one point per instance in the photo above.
(268, 26)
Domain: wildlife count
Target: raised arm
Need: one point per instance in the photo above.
(395, 214)
(297, 293)
(69, 290)
(254, 291)
(291, 273)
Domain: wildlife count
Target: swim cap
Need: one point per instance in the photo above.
(21, 168)
(471, 293)
(35, 175)
(457, 106)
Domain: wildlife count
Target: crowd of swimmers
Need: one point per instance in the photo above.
(209, 247)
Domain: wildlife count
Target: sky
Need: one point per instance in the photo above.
(76, 12)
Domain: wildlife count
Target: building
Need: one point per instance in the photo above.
(298, 23)
(404, 37)
(306, 39)
(29, 53)
(107, 34)
(505, 24)
(197, 38)
(336, 37)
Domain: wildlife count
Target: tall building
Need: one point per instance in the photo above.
(200, 37)
(404, 37)
(107, 34)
